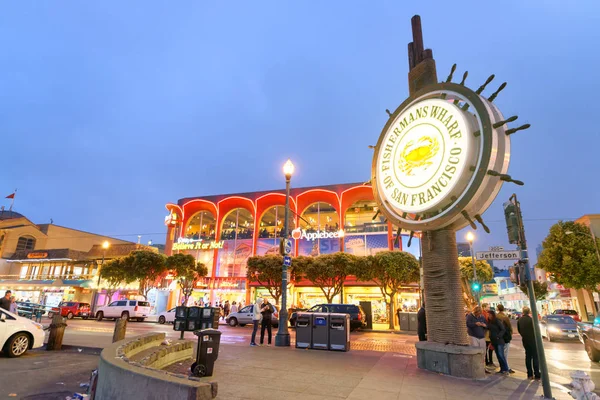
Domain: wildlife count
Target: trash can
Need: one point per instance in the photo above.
(181, 322)
(303, 330)
(320, 335)
(339, 332)
(207, 352)
(412, 322)
(403, 321)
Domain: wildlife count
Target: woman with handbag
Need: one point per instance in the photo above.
(497, 331)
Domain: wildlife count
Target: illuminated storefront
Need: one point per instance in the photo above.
(223, 231)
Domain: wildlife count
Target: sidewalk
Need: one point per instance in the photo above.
(245, 372)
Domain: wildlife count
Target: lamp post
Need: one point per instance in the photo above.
(470, 239)
(105, 246)
(283, 335)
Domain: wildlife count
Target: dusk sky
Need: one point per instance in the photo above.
(110, 109)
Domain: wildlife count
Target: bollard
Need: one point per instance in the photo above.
(57, 331)
(120, 328)
(583, 387)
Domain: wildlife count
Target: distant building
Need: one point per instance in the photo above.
(464, 250)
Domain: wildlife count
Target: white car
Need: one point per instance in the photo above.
(128, 309)
(18, 334)
(166, 316)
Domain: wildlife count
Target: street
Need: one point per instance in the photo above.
(562, 357)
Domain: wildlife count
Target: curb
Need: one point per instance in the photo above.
(411, 333)
(67, 348)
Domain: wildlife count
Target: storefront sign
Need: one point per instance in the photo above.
(191, 244)
(171, 219)
(299, 233)
(431, 162)
(37, 255)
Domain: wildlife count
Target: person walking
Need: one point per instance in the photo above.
(5, 301)
(497, 331)
(266, 312)
(525, 328)
(256, 317)
(508, 335)
(476, 328)
(13, 305)
(234, 307)
(226, 308)
(422, 324)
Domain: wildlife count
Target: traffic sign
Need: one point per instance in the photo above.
(287, 246)
(496, 248)
(498, 255)
(287, 261)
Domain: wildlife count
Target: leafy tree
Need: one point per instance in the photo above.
(187, 272)
(571, 258)
(539, 288)
(485, 273)
(266, 270)
(113, 273)
(327, 271)
(390, 270)
(146, 267)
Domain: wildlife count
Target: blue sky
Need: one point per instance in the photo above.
(110, 109)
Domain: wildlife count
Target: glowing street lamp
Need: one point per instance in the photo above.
(282, 338)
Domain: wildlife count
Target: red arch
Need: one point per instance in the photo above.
(193, 207)
(305, 199)
(229, 204)
(264, 203)
(351, 196)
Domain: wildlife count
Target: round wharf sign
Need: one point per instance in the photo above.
(431, 162)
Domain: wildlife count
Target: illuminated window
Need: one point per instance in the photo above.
(359, 218)
(239, 224)
(26, 243)
(272, 222)
(236, 232)
(320, 217)
(201, 226)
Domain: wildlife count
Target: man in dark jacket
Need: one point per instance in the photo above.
(476, 327)
(525, 327)
(509, 332)
(5, 301)
(422, 324)
(267, 311)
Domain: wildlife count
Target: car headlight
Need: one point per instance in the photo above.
(553, 329)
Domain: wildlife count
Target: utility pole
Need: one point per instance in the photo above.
(516, 234)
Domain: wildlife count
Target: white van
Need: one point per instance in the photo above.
(128, 309)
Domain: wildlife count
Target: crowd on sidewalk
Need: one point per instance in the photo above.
(492, 331)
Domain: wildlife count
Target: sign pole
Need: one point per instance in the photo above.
(532, 301)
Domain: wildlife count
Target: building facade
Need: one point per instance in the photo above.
(223, 231)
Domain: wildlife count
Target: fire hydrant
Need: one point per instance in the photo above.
(582, 387)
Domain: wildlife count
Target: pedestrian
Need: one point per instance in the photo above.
(497, 330)
(489, 362)
(226, 308)
(266, 311)
(256, 317)
(13, 305)
(508, 335)
(234, 307)
(525, 328)
(5, 301)
(422, 323)
(476, 328)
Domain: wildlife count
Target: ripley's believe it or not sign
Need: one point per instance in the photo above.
(440, 159)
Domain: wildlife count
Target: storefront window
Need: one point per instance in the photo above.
(272, 222)
(359, 218)
(201, 226)
(320, 217)
(24, 270)
(237, 233)
(239, 224)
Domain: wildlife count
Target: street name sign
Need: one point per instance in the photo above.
(498, 255)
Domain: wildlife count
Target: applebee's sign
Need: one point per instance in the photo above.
(299, 233)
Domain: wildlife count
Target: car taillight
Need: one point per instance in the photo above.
(136, 308)
(359, 316)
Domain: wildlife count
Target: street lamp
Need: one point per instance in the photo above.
(105, 246)
(476, 287)
(283, 334)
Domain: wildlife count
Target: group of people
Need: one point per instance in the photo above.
(493, 332)
(9, 302)
(227, 308)
(263, 314)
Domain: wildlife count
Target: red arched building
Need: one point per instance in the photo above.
(224, 230)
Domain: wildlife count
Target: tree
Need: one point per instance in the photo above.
(266, 270)
(146, 267)
(485, 273)
(571, 258)
(187, 272)
(113, 273)
(327, 271)
(539, 288)
(390, 270)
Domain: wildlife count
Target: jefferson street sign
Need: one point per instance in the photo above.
(498, 255)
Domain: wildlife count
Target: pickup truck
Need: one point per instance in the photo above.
(589, 334)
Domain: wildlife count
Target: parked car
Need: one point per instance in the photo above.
(244, 317)
(128, 309)
(18, 334)
(71, 309)
(589, 334)
(555, 327)
(516, 314)
(571, 313)
(358, 318)
(167, 316)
